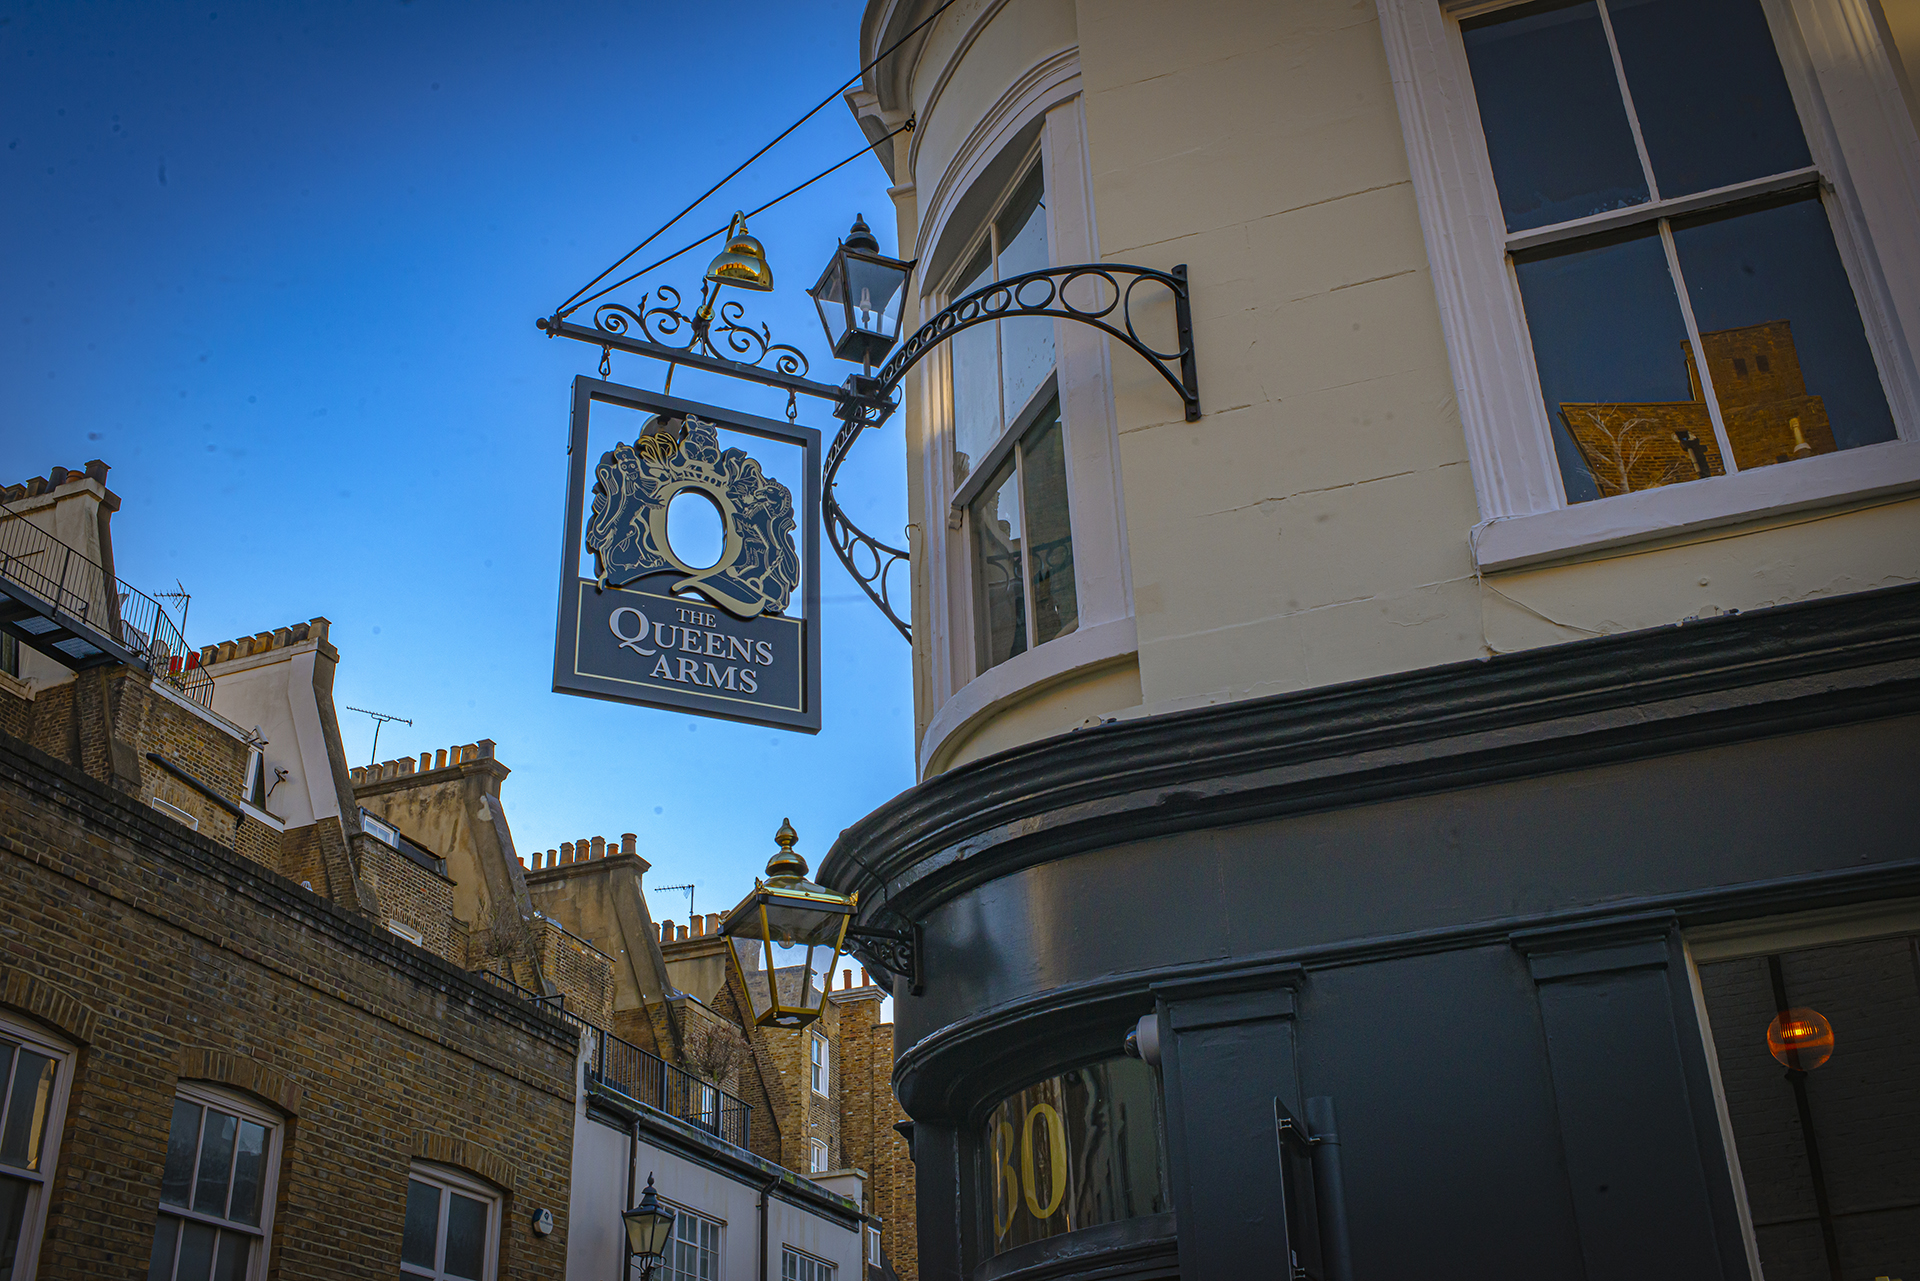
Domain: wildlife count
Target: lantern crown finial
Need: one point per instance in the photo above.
(861, 236)
(786, 862)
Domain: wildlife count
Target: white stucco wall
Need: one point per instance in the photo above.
(275, 692)
(600, 1181)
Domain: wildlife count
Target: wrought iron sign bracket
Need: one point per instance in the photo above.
(1106, 295)
(895, 951)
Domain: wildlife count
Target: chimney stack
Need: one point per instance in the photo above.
(627, 840)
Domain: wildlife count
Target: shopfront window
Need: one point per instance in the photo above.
(1819, 1050)
(1076, 1150)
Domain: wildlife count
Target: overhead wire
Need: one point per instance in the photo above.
(575, 302)
(718, 231)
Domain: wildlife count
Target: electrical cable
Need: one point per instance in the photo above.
(718, 231)
(571, 305)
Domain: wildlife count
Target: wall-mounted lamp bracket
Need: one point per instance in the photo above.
(895, 951)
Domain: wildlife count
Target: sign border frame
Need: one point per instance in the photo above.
(565, 679)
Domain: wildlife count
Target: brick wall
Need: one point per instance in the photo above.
(165, 957)
(581, 973)
(868, 1110)
(413, 896)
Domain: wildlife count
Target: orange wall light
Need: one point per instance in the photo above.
(1801, 1039)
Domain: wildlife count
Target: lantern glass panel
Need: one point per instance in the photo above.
(750, 955)
(877, 290)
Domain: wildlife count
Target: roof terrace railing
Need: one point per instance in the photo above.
(62, 607)
(647, 1079)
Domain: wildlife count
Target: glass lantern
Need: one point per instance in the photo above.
(649, 1225)
(785, 939)
(861, 297)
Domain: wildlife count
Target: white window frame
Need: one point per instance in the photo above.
(448, 1179)
(33, 1224)
(208, 1095)
(1047, 92)
(817, 1151)
(798, 1265)
(669, 1269)
(819, 1064)
(400, 929)
(1862, 140)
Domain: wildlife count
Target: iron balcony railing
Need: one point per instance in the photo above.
(647, 1079)
(75, 590)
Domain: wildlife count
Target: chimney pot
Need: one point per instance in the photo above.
(485, 747)
(680, 933)
(566, 851)
(98, 470)
(440, 759)
(864, 980)
(713, 922)
(281, 635)
(598, 848)
(699, 928)
(317, 629)
(36, 486)
(56, 477)
(426, 761)
(627, 840)
(846, 979)
(666, 931)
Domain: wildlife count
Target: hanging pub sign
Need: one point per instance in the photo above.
(737, 639)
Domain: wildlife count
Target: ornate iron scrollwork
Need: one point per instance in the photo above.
(894, 951)
(665, 325)
(866, 558)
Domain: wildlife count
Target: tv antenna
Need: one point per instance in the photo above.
(379, 719)
(181, 595)
(662, 889)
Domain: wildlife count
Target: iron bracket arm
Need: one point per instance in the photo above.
(895, 951)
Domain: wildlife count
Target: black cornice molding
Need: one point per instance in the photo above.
(1675, 688)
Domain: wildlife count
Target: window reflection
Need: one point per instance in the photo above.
(1708, 92)
(1688, 344)
(999, 574)
(1073, 1151)
(1557, 131)
(1026, 346)
(976, 377)
(1043, 471)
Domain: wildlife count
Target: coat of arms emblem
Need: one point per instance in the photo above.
(759, 567)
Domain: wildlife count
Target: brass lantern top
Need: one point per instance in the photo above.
(743, 262)
(785, 938)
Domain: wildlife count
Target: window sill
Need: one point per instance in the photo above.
(1025, 675)
(1873, 471)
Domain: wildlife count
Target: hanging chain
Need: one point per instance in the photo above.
(793, 409)
(606, 362)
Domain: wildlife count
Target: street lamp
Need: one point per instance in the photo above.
(861, 297)
(649, 1230)
(785, 939)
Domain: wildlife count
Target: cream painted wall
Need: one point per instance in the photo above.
(1315, 525)
(1311, 528)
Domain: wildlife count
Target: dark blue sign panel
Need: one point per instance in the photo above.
(724, 640)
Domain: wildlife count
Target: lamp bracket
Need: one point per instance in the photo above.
(895, 951)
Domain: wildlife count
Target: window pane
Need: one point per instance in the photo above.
(466, 1236)
(996, 569)
(177, 1181)
(1785, 347)
(27, 1113)
(1043, 471)
(14, 1195)
(165, 1234)
(247, 1169)
(423, 1224)
(235, 1253)
(1707, 86)
(216, 1164)
(1861, 1102)
(196, 1252)
(976, 379)
(1026, 345)
(1556, 126)
(1614, 366)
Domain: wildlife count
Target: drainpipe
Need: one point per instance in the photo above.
(633, 1159)
(771, 1184)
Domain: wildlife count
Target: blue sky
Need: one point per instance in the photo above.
(278, 264)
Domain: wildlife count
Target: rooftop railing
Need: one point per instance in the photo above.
(647, 1079)
(76, 611)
